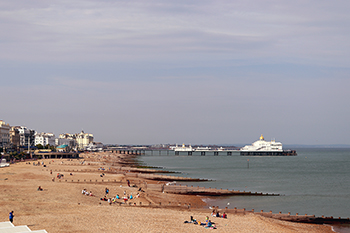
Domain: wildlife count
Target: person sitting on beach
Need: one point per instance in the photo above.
(83, 191)
(40, 189)
(90, 194)
(217, 214)
(130, 196)
(210, 225)
(193, 220)
(138, 195)
(224, 215)
(117, 196)
(213, 214)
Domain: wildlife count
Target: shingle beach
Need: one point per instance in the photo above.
(61, 206)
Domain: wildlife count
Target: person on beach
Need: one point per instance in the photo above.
(224, 215)
(40, 188)
(128, 183)
(107, 191)
(11, 216)
(192, 220)
(210, 225)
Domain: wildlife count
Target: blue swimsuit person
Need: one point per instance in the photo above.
(11, 216)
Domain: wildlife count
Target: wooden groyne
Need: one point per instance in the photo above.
(164, 177)
(288, 217)
(190, 190)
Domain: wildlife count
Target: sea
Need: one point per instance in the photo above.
(315, 182)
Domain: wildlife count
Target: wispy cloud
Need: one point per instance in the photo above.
(238, 66)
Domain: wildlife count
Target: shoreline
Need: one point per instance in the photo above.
(61, 207)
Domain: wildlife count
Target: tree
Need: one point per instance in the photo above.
(39, 146)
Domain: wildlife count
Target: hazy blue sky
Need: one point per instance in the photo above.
(199, 72)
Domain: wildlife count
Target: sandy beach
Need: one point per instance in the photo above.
(61, 206)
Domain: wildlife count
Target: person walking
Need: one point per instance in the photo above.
(11, 216)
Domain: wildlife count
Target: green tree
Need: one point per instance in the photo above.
(39, 146)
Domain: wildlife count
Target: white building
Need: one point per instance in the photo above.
(4, 134)
(44, 139)
(25, 136)
(83, 140)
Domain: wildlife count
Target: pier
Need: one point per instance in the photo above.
(190, 153)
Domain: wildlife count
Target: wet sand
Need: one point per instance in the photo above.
(61, 207)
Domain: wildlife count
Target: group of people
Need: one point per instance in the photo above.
(207, 224)
(115, 198)
(59, 175)
(217, 214)
(85, 192)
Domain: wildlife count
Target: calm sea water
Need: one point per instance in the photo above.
(317, 181)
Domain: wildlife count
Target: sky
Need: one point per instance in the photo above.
(193, 72)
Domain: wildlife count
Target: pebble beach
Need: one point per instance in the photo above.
(61, 206)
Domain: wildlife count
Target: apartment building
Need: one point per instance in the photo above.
(4, 134)
(44, 139)
(14, 137)
(26, 136)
